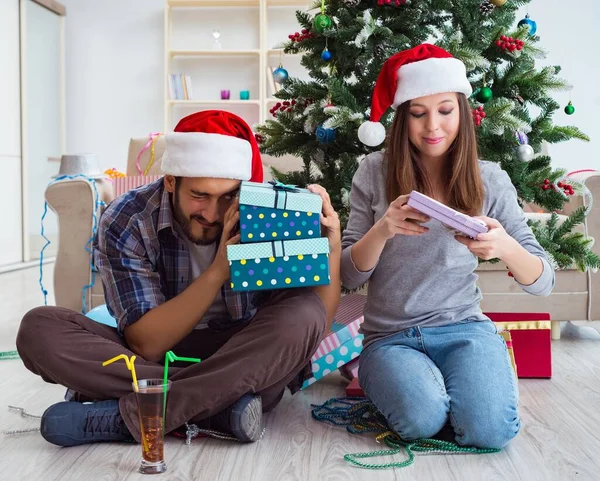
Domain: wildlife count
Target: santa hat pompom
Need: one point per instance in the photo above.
(371, 133)
(411, 74)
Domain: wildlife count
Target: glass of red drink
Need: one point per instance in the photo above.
(150, 397)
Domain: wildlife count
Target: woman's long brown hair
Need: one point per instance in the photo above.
(405, 171)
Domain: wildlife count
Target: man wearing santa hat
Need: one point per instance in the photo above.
(161, 254)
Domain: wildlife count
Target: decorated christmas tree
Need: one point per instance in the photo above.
(344, 44)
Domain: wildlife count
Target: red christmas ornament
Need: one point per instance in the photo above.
(478, 115)
(567, 189)
(288, 106)
(510, 274)
(299, 37)
(259, 138)
(508, 43)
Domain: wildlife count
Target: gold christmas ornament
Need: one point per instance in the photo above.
(498, 3)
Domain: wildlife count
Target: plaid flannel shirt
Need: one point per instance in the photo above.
(143, 262)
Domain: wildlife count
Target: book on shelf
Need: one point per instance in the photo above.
(180, 87)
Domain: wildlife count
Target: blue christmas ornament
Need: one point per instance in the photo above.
(280, 75)
(326, 55)
(325, 136)
(529, 23)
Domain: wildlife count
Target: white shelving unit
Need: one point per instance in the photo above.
(250, 31)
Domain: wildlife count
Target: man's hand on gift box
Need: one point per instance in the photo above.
(330, 219)
(229, 236)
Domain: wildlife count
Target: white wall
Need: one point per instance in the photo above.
(115, 68)
(568, 32)
(10, 104)
(10, 134)
(43, 137)
(114, 52)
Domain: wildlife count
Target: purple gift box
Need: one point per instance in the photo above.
(447, 216)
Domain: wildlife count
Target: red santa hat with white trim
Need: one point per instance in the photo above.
(410, 74)
(213, 143)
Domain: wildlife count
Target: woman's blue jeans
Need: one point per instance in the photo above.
(423, 377)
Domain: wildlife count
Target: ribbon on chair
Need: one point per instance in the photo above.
(152, 139)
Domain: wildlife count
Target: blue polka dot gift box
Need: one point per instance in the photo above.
(343, 343)
(279, 264)
(276, 211)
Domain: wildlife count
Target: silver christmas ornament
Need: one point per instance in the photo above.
(525, 153)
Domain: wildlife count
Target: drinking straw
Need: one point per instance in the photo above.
(171, 357)
(129, 362)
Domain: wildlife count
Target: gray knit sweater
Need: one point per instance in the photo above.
(427, 280)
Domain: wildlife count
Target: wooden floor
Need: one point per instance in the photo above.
(560, 439)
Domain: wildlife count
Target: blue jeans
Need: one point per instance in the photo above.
(421, 378)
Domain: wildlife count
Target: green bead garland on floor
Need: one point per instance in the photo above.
(360, 416)
(9, 355)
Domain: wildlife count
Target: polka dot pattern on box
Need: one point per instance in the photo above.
(335, 359)
(260, 223)
(279, 272)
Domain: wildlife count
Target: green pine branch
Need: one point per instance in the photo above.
(500, 117)
(575, 219)
(568, 249)
(557, 133)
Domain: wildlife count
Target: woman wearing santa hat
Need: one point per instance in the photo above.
(432, 362)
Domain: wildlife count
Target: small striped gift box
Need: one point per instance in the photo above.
(122, 185)
(343, 343)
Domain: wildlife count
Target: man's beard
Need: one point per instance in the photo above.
(185, 224)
